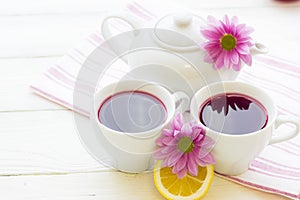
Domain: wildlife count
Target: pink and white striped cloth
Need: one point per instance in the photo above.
(275, 170)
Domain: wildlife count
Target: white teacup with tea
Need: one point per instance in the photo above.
(242, 119)
(131, 114)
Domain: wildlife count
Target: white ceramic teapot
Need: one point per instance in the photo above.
(168, 52)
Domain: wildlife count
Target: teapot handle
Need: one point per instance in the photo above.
(258, 48)
(126, 17)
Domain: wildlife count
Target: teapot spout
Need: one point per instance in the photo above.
(258, 48)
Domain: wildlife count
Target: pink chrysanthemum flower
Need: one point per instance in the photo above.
(184, 147)
(228, 43)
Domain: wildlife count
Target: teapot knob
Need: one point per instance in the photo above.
(183, 19)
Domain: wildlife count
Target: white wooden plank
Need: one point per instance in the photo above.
(35, 7)
(15, 77)
(42, 142)
(44, 35)
(217, 4)
(25, 7)
(110, 186)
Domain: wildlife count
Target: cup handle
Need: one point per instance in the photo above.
(279, 137)
(184, 101)
(258, 48)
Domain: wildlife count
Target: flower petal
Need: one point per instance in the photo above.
(164, 163)
(234, 57)
(177, 122)
(242, 40)
(210, 34)
(221, 28)
(167, 132)
(247, 59)
(195, 134)
(208, 159)
(158, 155)
(226, 29)
(203, 158)
(199, 139)
(169, 141)
(180, 164)
(226, 20)
(183, 159)
(198, 133)
(174, 158)
(201, 153)
(168, 149)
(182, 173)
(212, 20)
(186, 129)
(207, 142)
(176, 132)
(237, 66)
(214, 53)
(159, 142)
(234, 20)
(240, 28)
(220, 61)
(208, 59)
(242, 49)
(227, 59)
(192, 167)
(247, 30)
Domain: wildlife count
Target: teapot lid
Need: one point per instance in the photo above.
(186, 29)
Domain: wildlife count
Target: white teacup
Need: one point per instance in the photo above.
(133, 141)
(233, 153)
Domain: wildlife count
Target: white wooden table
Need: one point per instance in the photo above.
(41, 156)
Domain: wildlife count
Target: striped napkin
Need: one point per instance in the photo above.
(275, 170)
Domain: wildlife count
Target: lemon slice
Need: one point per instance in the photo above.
(187, 188)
